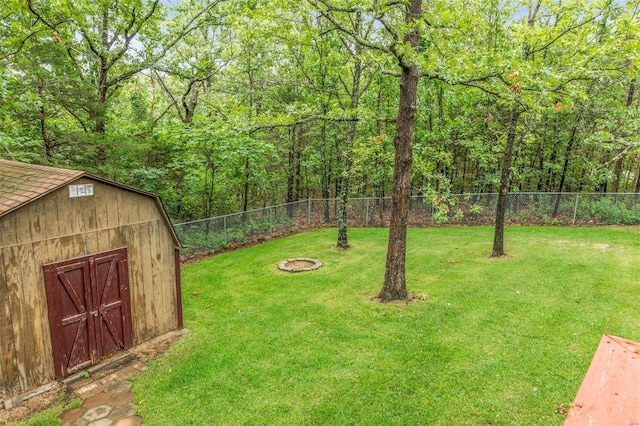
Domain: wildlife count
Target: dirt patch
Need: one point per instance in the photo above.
(596, 246)
(155, 347)
(297, 264)
(34, 405)
(411, 298)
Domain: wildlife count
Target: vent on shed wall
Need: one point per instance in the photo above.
(84, 190)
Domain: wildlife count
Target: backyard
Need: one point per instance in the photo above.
(486, 341)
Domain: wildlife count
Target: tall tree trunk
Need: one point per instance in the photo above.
(379, 175)
(46, 140)
(291, 178)
(463, 179)
(498, 236)
(298, 171)
(325, 170)
(343, 195)
(100, 127)
(540, 156)
(620, 162)
(209, 190)
(552, 160)
(636, 188)
(565, 167)
(631, 92)
(615, 186)
(532, 14)
(631, 164)
(245, 190)
(190, 102)
(343, 199)
(103, 78)
(395, 287)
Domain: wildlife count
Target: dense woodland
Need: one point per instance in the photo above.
(227, 105)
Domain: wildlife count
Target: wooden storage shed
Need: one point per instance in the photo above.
(88, 268)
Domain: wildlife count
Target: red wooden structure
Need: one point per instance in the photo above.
(610, 391)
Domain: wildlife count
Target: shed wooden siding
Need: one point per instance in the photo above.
(54, 228)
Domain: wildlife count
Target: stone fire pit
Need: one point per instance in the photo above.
(299, 264)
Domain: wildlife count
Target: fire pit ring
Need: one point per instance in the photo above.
(299, 264)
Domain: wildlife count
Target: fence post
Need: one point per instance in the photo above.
(308, 211)
(575, 209)
(271, 220)
(224, 224)
(366, 221)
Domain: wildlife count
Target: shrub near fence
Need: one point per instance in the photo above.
(205, 235)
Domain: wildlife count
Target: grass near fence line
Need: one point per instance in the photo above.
(544, 208)
(497, 341)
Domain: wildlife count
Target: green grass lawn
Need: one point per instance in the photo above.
(497, 341)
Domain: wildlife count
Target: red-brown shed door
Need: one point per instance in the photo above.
(89, 309)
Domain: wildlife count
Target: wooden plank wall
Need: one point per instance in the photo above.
(56, 228)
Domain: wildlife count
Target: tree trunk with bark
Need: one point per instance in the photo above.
(615, 185)
(565, 168)
(395, 287)
(379, 176)
(343, 197)
(326, 170)
(292, 190)
(498, 236)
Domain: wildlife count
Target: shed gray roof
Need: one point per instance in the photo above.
(22, 183)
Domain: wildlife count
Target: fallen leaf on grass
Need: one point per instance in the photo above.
(196, 293)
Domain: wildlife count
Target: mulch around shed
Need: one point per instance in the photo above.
(106, 394)
(106, 401)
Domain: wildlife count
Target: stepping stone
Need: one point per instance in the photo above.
(119, 386)
(96, 400)
(121, 398)
(71, 415)
(97, 413)
(122, 411)
(102, 422)
(129, 421)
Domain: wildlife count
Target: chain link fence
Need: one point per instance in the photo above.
(582, 209)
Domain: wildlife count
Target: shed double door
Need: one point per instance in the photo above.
(89, 309)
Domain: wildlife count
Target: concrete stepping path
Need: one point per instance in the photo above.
(106, 401)
(104, 389)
